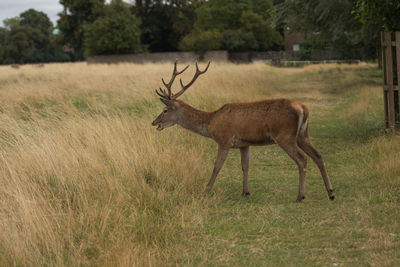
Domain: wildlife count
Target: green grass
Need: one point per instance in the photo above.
(361, 227)
(85, 179)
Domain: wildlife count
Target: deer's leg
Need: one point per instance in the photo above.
(245, 158)
(294, 152)
(221, 157)
(305, 144)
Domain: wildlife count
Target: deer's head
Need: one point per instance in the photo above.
(169, 116)
(172, 111)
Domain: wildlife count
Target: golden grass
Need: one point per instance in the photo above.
(68, 174)
(91, 179)
(86, 180)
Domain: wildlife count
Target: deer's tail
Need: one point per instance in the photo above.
(303, 121)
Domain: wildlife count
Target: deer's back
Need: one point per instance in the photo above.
(255, 123)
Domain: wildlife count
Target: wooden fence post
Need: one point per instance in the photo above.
(391, 76)
(397, 88)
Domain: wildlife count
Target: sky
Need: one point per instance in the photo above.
(12, 8)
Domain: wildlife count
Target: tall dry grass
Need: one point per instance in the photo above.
(84, 177)
(94, 188)
(86, 180)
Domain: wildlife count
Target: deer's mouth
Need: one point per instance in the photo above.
(156, 122)
(162, 125)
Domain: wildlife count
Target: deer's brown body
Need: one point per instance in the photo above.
(238, 125)
(241, 125)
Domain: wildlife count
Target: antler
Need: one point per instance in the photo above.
(185, 87)
(175, 73)
(167, 94)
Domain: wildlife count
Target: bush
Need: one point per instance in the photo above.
(305, 50)
(201, 42)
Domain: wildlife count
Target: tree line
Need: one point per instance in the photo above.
(97, 27)
(28, 38)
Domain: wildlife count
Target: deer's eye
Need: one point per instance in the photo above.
(165, 111)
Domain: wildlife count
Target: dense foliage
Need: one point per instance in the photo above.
(233, 25)
(117, 31)
(350, 28)
(165, 23)
(28, 38)
(77, 13)
(327, 23)
(381, 13)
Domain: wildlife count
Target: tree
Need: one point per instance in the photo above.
(3, 36)
(201, 41)
(37, 20)
(9, 23)
(28, 39)
(20, 45)
(242, 26)
(115, 32)
(383, 13)
(327, 23)
(76, 14)
(165, 23)
(38, 29)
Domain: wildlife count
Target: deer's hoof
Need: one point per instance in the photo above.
(245, 194)
(331, 195)
(299, 199)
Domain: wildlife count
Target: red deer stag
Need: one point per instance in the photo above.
(240, 125)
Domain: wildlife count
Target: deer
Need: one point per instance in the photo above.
(240, 125)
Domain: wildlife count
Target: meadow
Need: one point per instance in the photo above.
(86, 180)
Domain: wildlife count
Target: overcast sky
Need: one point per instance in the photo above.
(12, 8)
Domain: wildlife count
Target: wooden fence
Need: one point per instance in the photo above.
(390, 43)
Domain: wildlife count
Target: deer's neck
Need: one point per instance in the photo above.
(195, 120)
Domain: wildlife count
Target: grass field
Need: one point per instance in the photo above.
(86, 180)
